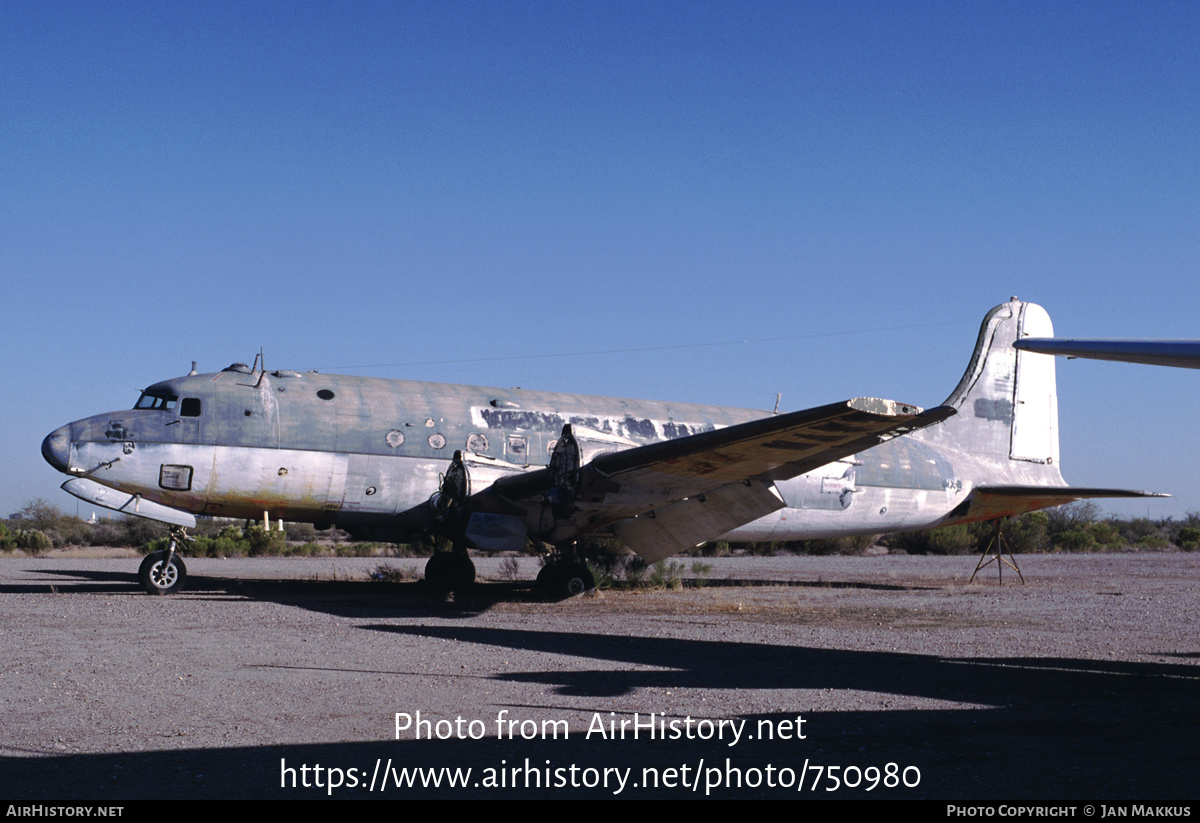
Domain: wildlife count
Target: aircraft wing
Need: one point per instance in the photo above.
(991, 502)
(1181, 353)
(677, 493)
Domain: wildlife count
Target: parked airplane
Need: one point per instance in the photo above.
(489, 467)
(1182, 353)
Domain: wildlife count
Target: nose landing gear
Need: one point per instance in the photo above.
(163, 572)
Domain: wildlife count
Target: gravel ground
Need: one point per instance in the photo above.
(1081, 684)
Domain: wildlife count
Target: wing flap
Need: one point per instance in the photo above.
(671, 529)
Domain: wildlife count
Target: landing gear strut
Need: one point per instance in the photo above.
(163, 572)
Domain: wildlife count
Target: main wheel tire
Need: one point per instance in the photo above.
(575, 579)
(449, 571)
(157, 579)
(564, 580)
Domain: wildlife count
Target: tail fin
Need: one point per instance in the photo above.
(1006, 428)
(1007, 402)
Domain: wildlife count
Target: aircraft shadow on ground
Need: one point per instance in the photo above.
(359, 598)
(1050, 728)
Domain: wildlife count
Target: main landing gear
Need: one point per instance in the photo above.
(163, 572)
(564, 574)
(449, 571)
(563, 580)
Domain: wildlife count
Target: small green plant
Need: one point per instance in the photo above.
(387, 573)
(667, 574)
(510, 569)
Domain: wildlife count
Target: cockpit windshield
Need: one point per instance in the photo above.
(156, 400)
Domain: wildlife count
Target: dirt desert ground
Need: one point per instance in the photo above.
(869, 671)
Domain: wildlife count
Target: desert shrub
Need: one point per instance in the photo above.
(1153, 541)
(262, 542)
(357, 549)
(717, 548)
(70, 530)
(1074, 540)
(824, 546)
(301, 533)
(33, 541)
(138, 531)
(1106, 534)
(606, 559)
(387, 573)
(41, 515)
(1027, 534)
(1134, 530)
(666, 574)
(510, 568)
(960, 539)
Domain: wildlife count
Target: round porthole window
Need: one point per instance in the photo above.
(325, 394)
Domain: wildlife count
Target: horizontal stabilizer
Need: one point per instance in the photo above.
(93, 492)
(1182, 353)
(992, 502)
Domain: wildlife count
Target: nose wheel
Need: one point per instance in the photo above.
(163, 572)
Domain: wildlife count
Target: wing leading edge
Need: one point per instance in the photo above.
(666, 496)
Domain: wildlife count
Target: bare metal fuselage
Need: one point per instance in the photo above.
(365, 454)
(360, 452)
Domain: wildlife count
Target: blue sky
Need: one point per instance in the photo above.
(710, 202)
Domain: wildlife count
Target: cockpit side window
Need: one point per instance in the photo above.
(156, 401)
(190, 407)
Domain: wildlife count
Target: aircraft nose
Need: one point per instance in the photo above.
(56, 448)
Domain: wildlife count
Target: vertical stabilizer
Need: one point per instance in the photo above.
(1007, 402)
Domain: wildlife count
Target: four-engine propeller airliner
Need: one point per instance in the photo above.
(489, 467)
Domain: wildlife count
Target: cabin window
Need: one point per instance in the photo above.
(325, 394)
(175, 478)
(156, 401)
(190, 407)
(477, 443)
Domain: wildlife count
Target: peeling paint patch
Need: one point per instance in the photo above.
(999, 410)
(627, 427)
